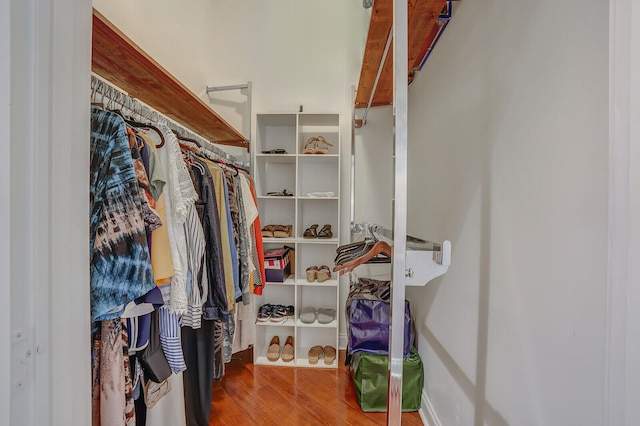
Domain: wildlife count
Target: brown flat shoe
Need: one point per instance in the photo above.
(274, 349)
(287, 351)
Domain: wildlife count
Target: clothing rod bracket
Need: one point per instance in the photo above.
(423, 266)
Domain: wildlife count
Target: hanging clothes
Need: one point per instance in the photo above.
(175, 232)
(180, 195)
(119, 258)
(230, 254)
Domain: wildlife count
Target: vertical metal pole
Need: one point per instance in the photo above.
(400, 97)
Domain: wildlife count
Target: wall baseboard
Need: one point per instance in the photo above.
(427, 412)
(342, 341)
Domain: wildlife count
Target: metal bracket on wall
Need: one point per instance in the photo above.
(424, 260)
(425, 265)
(245, 89)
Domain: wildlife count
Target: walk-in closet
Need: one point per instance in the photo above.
(347, 212)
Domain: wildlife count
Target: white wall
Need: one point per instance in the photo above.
(508, 158)
(373, 145)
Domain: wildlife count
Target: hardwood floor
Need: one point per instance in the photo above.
(264, 395)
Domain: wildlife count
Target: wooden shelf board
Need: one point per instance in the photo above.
(120, 61)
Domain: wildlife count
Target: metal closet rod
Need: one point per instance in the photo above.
(143, 112)
(248, 86)
(375, 82)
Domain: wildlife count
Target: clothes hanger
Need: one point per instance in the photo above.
(353, 250)
(185, 139)
(380, 247)
(97, 87)
(227, 165)
(204, 151)
(143, 125)
(147, 126)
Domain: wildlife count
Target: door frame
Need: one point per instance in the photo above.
(622, 346)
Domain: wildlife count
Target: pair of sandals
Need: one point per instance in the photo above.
(318, 273)
(277, 231)
(309, 315)
(316, 145)
(273, 353)
(312, 232)
(317, 352)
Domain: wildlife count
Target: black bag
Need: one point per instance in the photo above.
(154, 363)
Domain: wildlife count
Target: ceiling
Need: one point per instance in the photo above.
(424, 29)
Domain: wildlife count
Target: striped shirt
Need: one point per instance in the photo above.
(170, 339)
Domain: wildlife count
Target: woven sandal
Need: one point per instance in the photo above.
(314, 354)
(325, 232)
(312, 273)
(311, 232)
(322, 150)
(287, 350)
(329, 354)
(323, 274)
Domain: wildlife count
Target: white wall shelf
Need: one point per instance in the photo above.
(300, 174)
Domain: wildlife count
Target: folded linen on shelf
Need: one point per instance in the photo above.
(321, 194)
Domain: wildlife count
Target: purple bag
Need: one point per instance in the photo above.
(369, 327)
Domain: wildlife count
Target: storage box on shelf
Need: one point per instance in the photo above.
(277, 265)
(300, 188)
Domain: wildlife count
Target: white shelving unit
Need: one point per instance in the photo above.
(299, 174)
